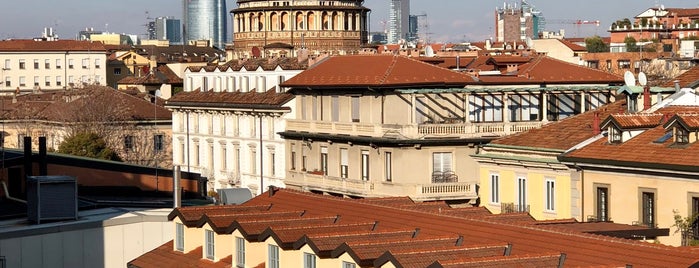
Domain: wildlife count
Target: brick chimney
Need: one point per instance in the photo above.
(595, 125)
(646, 98)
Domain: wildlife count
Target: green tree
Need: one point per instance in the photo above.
(631, 45)
(595, 45)
(87, 144)
(684, 226)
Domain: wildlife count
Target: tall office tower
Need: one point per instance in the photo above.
(151, 31)
(205, 20)
(517, 23)
(266, 28)
(398, 20)
(168, 28)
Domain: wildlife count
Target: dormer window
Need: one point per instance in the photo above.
(681, 135)
(614, 135)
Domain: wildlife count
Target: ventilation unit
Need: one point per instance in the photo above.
(51, 198)
(234, 196)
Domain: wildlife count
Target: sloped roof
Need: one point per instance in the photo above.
(58, 45)
(374, 233)
(545, 70)
(268, 99)
(683, 12)
(689, 78)
(634, 121)
(161, 75)
(164, 256)
(563, 134)
(375, 71)
(75, 105)
(573, 46)
(646, 148)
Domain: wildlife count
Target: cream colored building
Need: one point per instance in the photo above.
(29, 65)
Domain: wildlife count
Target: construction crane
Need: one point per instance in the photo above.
(577, 23)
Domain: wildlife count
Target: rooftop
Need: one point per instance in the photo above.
(408, 234)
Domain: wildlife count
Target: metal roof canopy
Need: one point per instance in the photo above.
(506, 89)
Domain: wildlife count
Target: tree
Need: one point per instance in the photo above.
(631, 45)
(87, 144)
(595, 45)
(684, 227)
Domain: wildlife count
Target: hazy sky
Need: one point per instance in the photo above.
(447, 20)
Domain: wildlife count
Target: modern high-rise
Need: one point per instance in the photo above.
(168, 28)
(267, 28)
(398, 21)
(205, 20)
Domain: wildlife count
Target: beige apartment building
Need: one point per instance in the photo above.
(29, 65)
(397, 126)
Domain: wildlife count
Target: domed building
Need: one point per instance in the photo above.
(264, 28)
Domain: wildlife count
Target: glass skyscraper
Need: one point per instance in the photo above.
(205, 20)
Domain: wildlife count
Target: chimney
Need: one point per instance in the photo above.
(595, 125)
(677, 85)
(176, 192)
(646, 98)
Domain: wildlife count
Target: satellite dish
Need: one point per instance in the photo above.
(629, 79)
(642, 79)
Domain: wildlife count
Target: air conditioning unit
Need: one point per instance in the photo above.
(52, 198)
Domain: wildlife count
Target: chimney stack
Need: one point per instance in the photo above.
(646, 98)
(176, 191)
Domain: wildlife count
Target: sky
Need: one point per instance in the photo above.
(447, 20)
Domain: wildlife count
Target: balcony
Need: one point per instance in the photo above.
(513, 208)
(414, 131)
(351, 187)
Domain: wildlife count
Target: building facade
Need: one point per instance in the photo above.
(398, 21)
(168, 28)
(265, 28)
(517, 23)
(205, 20)
(226, 123)
(29, 65)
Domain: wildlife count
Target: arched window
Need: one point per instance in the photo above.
(274, 21)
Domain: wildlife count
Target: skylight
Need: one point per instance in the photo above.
(664, 138)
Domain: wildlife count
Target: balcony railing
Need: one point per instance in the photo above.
(444, 177)
(513, 208)
(414, 130)
(352, 187)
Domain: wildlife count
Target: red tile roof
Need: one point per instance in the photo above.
(373, 233)
(646, 148)
(683, 12)
(161, 75)
(634, 121)
(164, 256)
(268, 99)
(687, 79)
(563, 134)
(376, 71)
(58, 45)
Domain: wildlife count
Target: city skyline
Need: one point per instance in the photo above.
(450, 21)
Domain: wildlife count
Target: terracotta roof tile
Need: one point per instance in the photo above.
(164, 256)
(686, 79)
(634, 121)
(565, 133)
(375, 71)
(237, 99)
(58, 45)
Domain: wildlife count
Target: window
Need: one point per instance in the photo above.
(441, 167)
(273, 256)
(485, 108)
(36, 64)
(293, 156)
(158, 143)
(58, 81)
(179, 236)
(85, 62)
(22, 65)
(602, 204)
(355, 108)
(523, 108)
(47, 81)
(253, 161)
(344, 163)
(365, 165)
(623, 64)
(550, 195)
(22, 81)
(209, 242)
(70, 63)
(324, 160)
(309, 260)
(272, 166)
(36, 81)
(648, 209)
(494, 188)
(240, 252)
(614, 135)
(695, 214)
(335, 103)
(681, 135)
(58, 63)
(594, 64)
(348, 265)
(128, 143)
(8, 83)
(224, 158)
(97, 63)
(522, 194)
(117, 71)
(47, 64)
(389, 166)
(8, 64)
